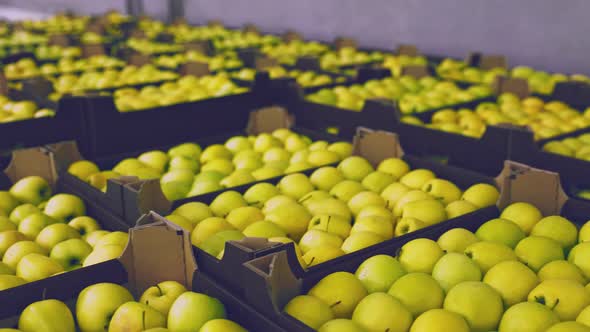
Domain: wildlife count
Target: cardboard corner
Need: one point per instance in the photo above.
(522, 183)
(291, 35)
(148, 197)
(59, 39)
(157, 251)
(517, 86)
(139, 59)
(195, 68)
(376, 145)
(415, 71)
(32, 161)
(342, 42)
(408, 50)
(89, 50)
(267, 120)
(251, 28)
(265, 62)
(64, 154)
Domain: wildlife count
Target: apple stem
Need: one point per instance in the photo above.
(556, 303)
(328, 223)
(335, 304)
(159, 289)
(311, 260)
(143, 320)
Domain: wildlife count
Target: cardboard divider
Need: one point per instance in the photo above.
(342, 42)
(517, 86)
(416, 71)
(203, 46)
(251, 28)
(486, 61)
(407, 49)
(291, 35)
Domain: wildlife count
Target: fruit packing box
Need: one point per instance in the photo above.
(274, 279)
(130, 197)
(157, 251)
(373, 145)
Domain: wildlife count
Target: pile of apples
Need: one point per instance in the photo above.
(396, 62)
(412, 95)
(147, 46)
(42, 235)
(348, 56)
(168, 306)
(575, 146)
(27, 68)
(188, 170)
(305, 78)
(287, 53)
(185, 33)
(228, 60)
(238, 39)
(58, 24)
(510, 276)
(47, 52)
(186, 89)
(19, 38)
(334, 211)
(110, 78)
(11, 110)
(545, 119)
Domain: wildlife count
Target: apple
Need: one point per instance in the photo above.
(344, 149)
(216, 325)
(420, 255)
(33, 267)
(456, 240)
(31, 189)
(277, 202)
(379, 272)
(512, 280)
(275, 154)
(568, 327)
(346, 189)
(360, 240)
(501, 231)
(342, 291)
(310, 310)
(264, 229)
(8, 238)
(83, 169)
(258, 194)
(375, 224)
(215, 244)
(47, 315)
(6, 269)
(418, 292)
(325, 178)
(265, 141)
(292, 218)
(394, 166)
(207, 228)
(225, 202)
(479, 303)
(377, 181)
(243, 216)
(320, 254)
(247, 162)
(295, 143)
(9, 281)
(313, 197)
(314, 238)
(71, 253)
(128, 166)
(22, 211)
(161, 296)
(454, 268)
(266, 172)
(332, 224)
(155, 159)
(377, 211)
(536, 251)
(355, 168)
(439, 320)
(382, 312)
(176, 184)
(408, 225)
(215, 151)
(200, 188)
(92, 238)
(523, 214)
(6, 224)
(567, 298)
(364, 199)
(481, 195)
(180, 162)
(237, 178)
(331, 206)
(429, 211)
(180, 221)
(561, 270)
(408, 197)
(19, 250)
(417, 178)
(190, 311)
(7, 202)
(444, 190)
(32, 225)
(189, 150)
(295, 185)
(65, 207)
(322, 157)
(103, 253)
(134, 316)
(238, 143)
(54, 234)
(84, 225)
(113, 238)
(534, 316)
(559, 229)
(341, 325)
(583, 317)
(97, 304)
(488, 254)
(459, 208)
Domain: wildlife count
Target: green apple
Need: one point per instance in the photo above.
(325, 178)
(194, 212)
(420, 255)
(355, 168)
(377, 181)
(444, 190)
(561, 270)
(65, 207)
(92, 238)
(567, 298)
(9, 281)
(379, 272)
(216, 325)
(501, 231)
(47, 315)
(161, 296)
(454, 268)
(71, 253)
(478, 302)
(265, 141)
(260, 193)
(342, 291)
(394, 166)
(310, 310)
(128, 166)
(243, 216)
(7, 202)
(237, 178)
(337, 225)
(408, 197)
(276, 154)
(322, 157)
(33, 224)
(315, 238)
(330, 206)
(407, 225)
(439, 320)
(364, 199)
(584, 234)
(209, 176)
(277, 202)
(360, 240)
(54, 234)
(180, 162)
(33, 267)
(189, 150)
(103, 254)
(200, 188)
(292, 218)
(134, 316)
(346, 189)
(512, 280)
(417, 178)
(377, 211)
(180, 221)
(583, 317)
(382, 312)
(264, 229)
(559, 229)
(481, 195)
(208, 228)
(282, 133)
(458, 208)
(227, 201)
(215, 151)
(569, 327)
(177, 183)
(318, 146)
(418, 292)
(266, 172)
(6, 224)
(536, 251)
(84, 225)
(429, 211)
(6, 269)
(97, 304)
(19, 250)
(313, 196)
(238, 143)
(295, 185)
(487, 254)
(190, 311)
(299, 157)
(456, 240)
(113, 238)
(31, 189)
(154, 159)
(8, 238)
(215, 244)
(525, 215)
(375, 224)
(295, 143)
(341, 325)
(527, 317)
(344, 149)
(22, 211)
(247, 160)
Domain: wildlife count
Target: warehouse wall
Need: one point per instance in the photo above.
(548, 34)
